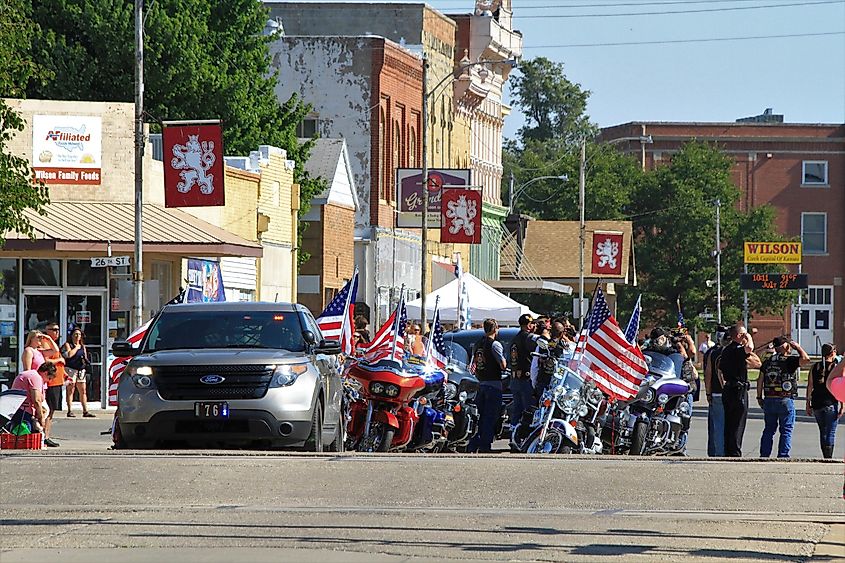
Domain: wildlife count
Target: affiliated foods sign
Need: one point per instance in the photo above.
(772, 252)
(193, 164)
(67, 149)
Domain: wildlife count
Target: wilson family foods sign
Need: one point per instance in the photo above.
(67, 149)
(772, 252)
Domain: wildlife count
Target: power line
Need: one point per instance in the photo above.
(672, 12)
(675, 41)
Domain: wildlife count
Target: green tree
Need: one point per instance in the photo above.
(18, 191)
(203, 60)
(674, 227)
(554, 108)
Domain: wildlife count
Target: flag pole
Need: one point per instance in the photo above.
(397, 320)
(347, 318)
(435, 318)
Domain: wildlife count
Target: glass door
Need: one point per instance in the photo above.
(85, 311)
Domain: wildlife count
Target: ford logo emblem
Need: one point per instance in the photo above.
(212, 379)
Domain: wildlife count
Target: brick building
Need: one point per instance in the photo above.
(797, 168)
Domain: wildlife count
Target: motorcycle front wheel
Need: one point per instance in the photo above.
(638, 437)
(379, 439)
(554, 443)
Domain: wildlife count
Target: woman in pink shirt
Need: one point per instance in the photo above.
(32, 358)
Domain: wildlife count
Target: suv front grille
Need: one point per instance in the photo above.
(182, 383)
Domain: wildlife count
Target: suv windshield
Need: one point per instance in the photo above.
(225, 329)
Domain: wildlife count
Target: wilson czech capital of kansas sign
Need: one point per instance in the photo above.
(772, 252)
(67, 149)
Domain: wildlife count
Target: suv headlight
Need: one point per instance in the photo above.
(286, 374)
(142, 376)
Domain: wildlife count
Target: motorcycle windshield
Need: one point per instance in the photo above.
(457, 354)
(660, 365)
(571, 379)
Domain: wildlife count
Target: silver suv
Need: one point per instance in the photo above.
(255, 374)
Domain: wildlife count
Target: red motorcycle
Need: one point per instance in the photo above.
(383, 419)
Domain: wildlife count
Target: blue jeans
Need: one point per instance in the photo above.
(827, 419)
(777, 413)
(716, 427)
(523, 397)
(489, 403)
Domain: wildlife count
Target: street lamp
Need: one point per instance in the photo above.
(426, 94)
(513, 194)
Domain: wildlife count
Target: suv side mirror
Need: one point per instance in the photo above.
(122, 349)
(328, 347)
(309, 337)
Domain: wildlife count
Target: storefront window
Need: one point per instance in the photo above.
(8, 321)
(42, 272)
(81, 274)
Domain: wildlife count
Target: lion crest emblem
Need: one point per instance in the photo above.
(193, 160)
(607, 252)
(461, 213)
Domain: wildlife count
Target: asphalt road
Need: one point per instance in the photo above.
(220, 506)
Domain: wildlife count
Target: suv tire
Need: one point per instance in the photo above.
(314, 443)
(339, 444)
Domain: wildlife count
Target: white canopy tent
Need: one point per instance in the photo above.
(484, 302)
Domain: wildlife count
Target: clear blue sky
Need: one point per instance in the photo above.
(802, 78)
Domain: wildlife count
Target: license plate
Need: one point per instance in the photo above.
(218, 409)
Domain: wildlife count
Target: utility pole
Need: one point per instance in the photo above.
(718, 204)
(424, 269)
(582, 236)
(138, 274)
(510, 194)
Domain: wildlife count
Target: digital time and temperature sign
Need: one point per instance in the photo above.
(773, 281)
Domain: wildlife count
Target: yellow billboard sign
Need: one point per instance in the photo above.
(772, 252)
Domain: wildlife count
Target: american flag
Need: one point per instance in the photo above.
(117, 365)
(389, 342)
(681, 323)
(436, 354)
(336, 321)
(634, 324)
(616, 366)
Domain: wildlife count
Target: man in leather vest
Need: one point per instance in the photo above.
(777, 387)
(521, 348)
(489, 361)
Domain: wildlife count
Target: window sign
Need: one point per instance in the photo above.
(67, 149)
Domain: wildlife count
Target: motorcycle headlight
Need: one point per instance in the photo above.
(391, 390)
(582, 411)
(376, 388)
(462, 397)
(663, 398)
(142, 376)
(684, 408)
(286, 374)
(649, 395)
(450, 391)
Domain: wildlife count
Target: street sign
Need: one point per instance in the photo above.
(772, 252)
(105, 261)
(773, 281)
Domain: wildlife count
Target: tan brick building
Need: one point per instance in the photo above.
(800, 170)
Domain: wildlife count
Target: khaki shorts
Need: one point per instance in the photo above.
(74, 376)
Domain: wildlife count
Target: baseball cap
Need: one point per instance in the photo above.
(525, 319)
(779, 341)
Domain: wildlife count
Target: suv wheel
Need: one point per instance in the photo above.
(314, 443)
(339, 444)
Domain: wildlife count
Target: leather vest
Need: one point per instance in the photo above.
(778, 382)
(486, 366)
(521, 355)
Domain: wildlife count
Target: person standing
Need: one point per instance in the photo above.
(713, 391)
(521, 348)
(821, 403)
(32, 357)
(489, 360)
(705, 345)
(56, 382)
(777, 387)
(76, 366)
(734, 362)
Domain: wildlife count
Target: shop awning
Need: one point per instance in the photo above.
(91, 226)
